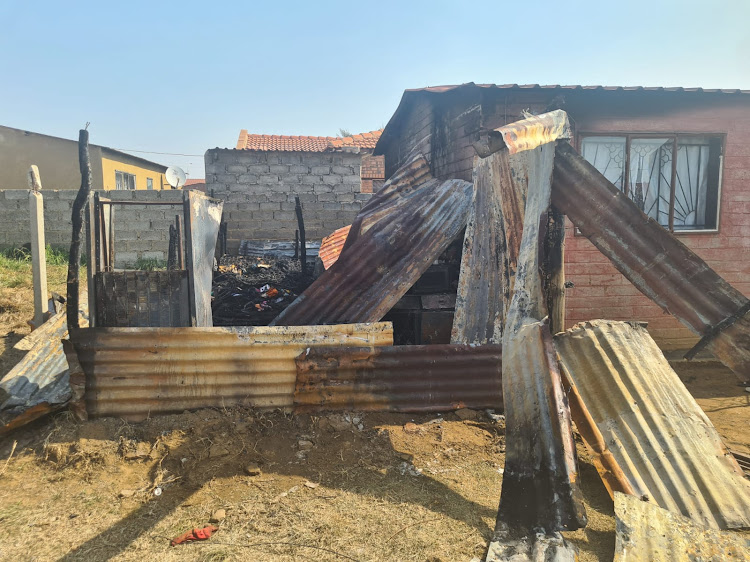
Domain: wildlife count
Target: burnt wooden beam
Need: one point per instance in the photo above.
(302, 243)
(74, 264)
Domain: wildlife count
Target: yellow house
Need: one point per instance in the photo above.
(123, 171)
(57, 159)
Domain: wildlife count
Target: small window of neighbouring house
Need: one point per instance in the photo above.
(123, 180)
(149, 183)
(681, 194)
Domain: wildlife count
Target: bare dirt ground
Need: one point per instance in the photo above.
(403, 487)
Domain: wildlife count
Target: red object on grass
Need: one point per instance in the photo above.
(194, 535)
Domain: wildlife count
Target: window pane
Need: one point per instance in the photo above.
(650, 177)
(118, 180)
(606, 154)
(691, 186)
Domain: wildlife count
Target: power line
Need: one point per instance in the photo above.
(152, 152)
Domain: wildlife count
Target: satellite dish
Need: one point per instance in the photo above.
(175, 177)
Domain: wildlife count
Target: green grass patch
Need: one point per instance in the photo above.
(149, 264)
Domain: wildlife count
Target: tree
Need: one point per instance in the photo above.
(344, 133)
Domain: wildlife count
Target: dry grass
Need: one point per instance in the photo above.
(352, 494)
(17, 303)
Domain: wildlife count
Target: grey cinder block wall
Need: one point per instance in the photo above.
(140, 231)
(258, 189)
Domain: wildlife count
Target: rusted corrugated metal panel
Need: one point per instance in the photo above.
(408, 378)
(651, 258)
(331, 247)
(39, 383)
(647, 533)
(491, 245)
(395, 238)
(135, 372)
(540, 488)
(526, 134)
(663, 443)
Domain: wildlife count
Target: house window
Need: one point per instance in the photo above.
(123, 180)
(681, 194)
(149, 183)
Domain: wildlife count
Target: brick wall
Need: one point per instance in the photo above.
(140, 231)
(258, 189)
(372, 172)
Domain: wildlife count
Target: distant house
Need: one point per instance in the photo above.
(681, 154)
(57, 159)
(260, 178)
(195, 183)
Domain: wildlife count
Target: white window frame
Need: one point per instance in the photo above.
(123, 177)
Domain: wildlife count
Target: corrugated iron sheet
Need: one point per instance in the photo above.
(395, 238)
(491, 245)
(409, 378)
(136, 372)
(40, 382)
(540, 488)
(331, 247)
(526, 134)
(663, 443)
(647, 533)
(651, 258)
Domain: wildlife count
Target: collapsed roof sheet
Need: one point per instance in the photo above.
(407, 378)
(540, 488)
(394, 239)
(655, 261)
(40, 382)
(662, 442)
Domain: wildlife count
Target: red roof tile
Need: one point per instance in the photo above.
(284, 143)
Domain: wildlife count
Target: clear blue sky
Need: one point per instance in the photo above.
(186, 76)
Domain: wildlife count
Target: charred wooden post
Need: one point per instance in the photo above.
(172, 256)
(302, 243)
(553, 271)
(179, 241)
(296, 244)
(79, 204)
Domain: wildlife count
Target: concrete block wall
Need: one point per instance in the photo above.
(258, 189)
(140, 231)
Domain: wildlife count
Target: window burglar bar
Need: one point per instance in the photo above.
(680, 193)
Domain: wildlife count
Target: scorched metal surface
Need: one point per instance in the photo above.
(409, 378)
(398, 234)
(540, 488)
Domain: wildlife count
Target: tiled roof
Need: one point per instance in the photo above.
(194, 181)
(284, 143)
